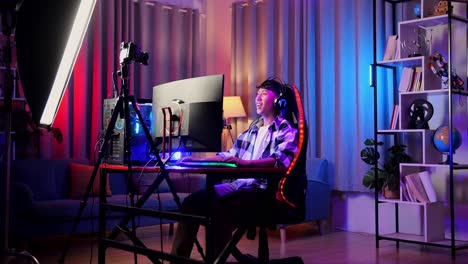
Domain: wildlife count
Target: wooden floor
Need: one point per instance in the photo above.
(303, 240)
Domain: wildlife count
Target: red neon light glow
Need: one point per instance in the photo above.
(299, 146)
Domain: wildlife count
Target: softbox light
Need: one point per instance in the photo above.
(48, 37)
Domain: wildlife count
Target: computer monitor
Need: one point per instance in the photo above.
(197, 114)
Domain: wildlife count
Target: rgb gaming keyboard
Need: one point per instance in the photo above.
(202, 164)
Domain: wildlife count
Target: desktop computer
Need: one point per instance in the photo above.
(139, 146)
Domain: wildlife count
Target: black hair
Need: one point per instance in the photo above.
(273, 84)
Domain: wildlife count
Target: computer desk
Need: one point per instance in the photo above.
(213, 175)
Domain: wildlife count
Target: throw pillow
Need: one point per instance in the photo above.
(80, 175)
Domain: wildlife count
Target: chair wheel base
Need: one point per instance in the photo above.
(245, 259)
(249, 259)
(290, 260)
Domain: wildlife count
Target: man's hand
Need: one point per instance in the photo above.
(266, 162)
(238, 161)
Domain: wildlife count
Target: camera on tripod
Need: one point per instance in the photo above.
(129, 52)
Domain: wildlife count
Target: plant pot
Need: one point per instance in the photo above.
(389, 194)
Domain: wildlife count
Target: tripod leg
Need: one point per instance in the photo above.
(107, 137)
(165, 176)
(128, 156)
(143, 198)
(231, 246)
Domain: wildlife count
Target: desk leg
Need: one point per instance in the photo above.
(210, 181)
(102, 218)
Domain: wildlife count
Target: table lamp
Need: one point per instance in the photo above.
(232, 108)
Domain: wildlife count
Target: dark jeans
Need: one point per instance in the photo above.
(244, 206)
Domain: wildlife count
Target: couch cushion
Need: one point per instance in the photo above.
(41, 176)
(317, 169)
(62, 210)
(80, 175)
(164, 201)
(62, 171)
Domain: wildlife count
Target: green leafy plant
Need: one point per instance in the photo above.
(388, 171)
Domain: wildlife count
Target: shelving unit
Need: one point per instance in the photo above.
(17, 103)
(420, 35)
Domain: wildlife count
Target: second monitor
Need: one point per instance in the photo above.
(190, 111)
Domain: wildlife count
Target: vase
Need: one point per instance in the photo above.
(389, 194)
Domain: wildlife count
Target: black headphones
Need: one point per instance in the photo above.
(281, 103)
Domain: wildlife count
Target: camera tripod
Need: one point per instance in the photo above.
(128, 53)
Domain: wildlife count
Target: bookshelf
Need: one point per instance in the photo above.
(421, 37)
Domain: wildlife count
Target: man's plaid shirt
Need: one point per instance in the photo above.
(282, 145)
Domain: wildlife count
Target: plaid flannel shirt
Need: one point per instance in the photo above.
(282, 145)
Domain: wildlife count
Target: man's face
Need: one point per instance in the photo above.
(264, 102)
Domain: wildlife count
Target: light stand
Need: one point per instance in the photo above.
(8, 16)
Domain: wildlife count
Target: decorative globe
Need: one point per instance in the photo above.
(417, 10)
(441, 139)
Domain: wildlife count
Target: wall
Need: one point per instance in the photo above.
(218, 40)
(216, 31)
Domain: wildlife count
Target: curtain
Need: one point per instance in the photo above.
(325, 48)
(170, 34)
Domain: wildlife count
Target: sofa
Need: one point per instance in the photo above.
(42, 202)
(319, 187)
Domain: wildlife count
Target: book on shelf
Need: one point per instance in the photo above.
(407, 194)
(419, 187)
(406, 79)
(391, 48)
(395, 116)
(428, 186)
(416, 80)
(397, 52)
(404, 192)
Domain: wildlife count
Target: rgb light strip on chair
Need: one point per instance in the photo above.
(301, 127)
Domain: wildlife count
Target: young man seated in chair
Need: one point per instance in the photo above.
(270, 141)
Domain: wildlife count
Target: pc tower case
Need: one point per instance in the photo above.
(139, 146)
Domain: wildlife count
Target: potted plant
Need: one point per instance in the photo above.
(388, 176)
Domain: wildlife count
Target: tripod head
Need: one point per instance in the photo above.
(129, 52)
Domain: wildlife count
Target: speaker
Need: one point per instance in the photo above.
(140, 148)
